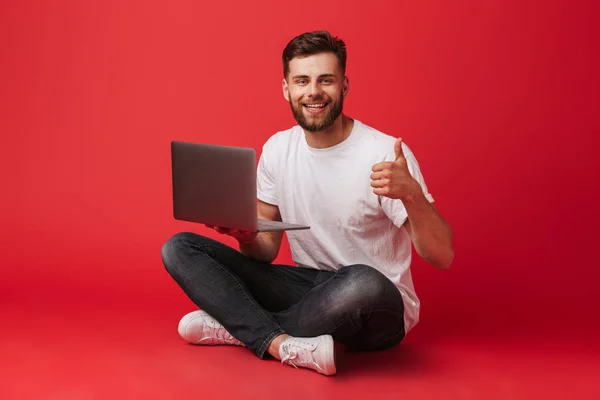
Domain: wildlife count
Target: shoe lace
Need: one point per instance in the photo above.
(297, 353)
(218, 331)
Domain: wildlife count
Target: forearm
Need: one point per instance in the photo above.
(262, 248)
(431, 234)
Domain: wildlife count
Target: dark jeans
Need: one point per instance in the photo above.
(257, 301)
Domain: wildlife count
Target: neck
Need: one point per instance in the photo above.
(335, 134)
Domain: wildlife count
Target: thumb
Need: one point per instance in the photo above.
(398, 149)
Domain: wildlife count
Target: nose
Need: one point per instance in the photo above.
(314, 88)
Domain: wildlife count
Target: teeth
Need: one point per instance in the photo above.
(315, 105)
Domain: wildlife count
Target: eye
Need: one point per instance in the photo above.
(327, 81)
(301, 81)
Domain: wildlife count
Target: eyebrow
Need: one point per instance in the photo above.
(320, 76)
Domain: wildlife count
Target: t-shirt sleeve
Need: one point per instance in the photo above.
(265, 176)
(394, 208)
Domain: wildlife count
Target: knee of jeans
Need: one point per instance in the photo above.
(172, 248)
(369, 287)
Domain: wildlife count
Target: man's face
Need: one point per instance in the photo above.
(315, 88)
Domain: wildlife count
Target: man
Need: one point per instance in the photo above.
(365, 199)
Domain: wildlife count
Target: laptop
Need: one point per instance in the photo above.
(216, 185)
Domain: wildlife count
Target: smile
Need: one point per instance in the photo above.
(315, 108)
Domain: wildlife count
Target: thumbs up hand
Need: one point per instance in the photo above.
(393, 179)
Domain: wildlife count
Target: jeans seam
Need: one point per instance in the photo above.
(348, 318)
(396, 335)
(263, 346)
(401, 315)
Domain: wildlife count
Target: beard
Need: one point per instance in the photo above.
(322, 122)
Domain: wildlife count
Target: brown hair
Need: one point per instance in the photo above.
(311, 43)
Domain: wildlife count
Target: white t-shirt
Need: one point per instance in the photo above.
(329, 190)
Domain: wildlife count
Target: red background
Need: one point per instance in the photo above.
(498, 100)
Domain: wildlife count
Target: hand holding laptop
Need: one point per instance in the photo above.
(240, 235)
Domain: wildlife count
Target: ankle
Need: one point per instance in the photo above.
(273, 348)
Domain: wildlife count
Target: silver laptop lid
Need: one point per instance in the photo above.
(214, 185)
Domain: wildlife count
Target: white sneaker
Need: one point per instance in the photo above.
(198, 327)
(316, 353)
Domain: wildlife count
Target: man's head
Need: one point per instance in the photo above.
(315, 84)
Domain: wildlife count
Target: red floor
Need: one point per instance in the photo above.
(94, 337)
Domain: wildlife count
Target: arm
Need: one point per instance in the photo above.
(264, 246)
(430, 233)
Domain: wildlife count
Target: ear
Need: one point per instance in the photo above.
(286, 90)
(345, 86)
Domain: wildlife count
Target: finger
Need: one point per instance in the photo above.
(380, 175)
(240, 233)
(381, 166)
(380, 183)
(398, 149)
(381, 191)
